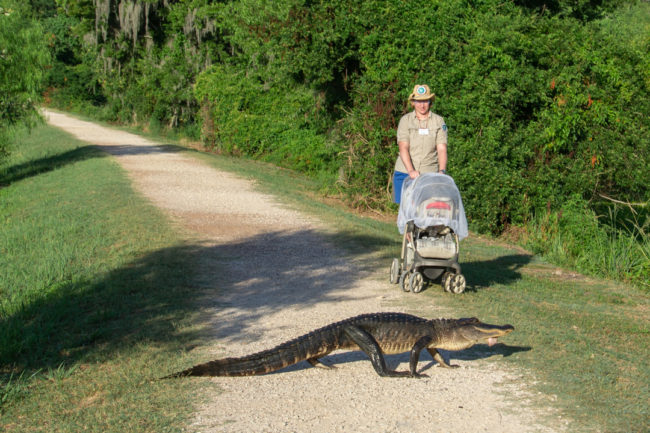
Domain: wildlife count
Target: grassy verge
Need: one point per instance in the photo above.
(95, 298)
(612, 243)
(583, 340)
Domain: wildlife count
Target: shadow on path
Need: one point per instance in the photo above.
(136, 149)
(150, 298)
(32, 168)
(35, 167)
(269, 272)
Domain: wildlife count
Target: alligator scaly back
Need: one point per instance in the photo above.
(376, 334)
(307, 347)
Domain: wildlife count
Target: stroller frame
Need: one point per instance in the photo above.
(432, 220)
(412, 271)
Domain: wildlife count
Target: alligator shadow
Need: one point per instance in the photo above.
(479, 351)
(482, 351)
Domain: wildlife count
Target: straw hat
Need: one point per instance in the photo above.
(421, 92)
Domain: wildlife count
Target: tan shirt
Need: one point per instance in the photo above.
(423, 137)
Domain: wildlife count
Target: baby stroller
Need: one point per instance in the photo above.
(432, 219)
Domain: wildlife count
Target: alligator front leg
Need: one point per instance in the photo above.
(415, 355)
(368, 344)
(438, 357)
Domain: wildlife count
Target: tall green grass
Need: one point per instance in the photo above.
(95, 295)
(614, 244)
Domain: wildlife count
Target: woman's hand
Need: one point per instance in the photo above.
(413, 174)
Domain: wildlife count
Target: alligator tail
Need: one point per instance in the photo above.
(310, 346)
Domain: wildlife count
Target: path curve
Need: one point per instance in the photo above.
(275, 275)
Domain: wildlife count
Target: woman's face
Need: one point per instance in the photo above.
(421, 107)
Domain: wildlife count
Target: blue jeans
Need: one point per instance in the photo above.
(398, 180)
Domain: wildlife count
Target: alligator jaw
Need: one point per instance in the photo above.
(477, 331)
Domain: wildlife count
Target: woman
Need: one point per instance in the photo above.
(422, 141)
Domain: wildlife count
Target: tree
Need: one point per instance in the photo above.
(23, 58)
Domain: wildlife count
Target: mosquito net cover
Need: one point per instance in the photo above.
(432, 199)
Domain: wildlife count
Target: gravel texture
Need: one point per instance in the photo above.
(272, 275)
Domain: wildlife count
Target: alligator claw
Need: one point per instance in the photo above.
(445, 365)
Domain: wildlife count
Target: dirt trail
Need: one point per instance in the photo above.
(275, 276)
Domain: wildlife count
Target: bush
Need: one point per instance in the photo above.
(538, 108)
(279, 124)
(23, 56)
(543, 102)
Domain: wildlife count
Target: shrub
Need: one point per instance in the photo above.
(23, 56)
(543, 102)
(279, 124)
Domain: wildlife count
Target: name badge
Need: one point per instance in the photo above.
(423, 131)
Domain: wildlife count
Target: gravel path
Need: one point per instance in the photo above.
(275, 276)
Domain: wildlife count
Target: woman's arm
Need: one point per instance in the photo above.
(404, 147)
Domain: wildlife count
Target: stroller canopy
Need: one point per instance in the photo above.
(429, 200)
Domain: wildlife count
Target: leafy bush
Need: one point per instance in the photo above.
(533, 112)
(71, 79)
(278, 125)
(23, 56)
(543, 101)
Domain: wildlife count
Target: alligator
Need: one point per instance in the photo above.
(376, 334)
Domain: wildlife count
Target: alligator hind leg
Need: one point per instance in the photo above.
(316, 363)
(369, 345)
(438, 357)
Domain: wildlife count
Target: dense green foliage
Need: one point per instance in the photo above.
(544, 100)
(23, 57)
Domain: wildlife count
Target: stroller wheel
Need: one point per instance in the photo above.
(416, 282)
(394, 271)
(404, 282)
(446, 281)
(458, 283)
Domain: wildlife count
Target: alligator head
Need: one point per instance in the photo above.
(470, 331)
